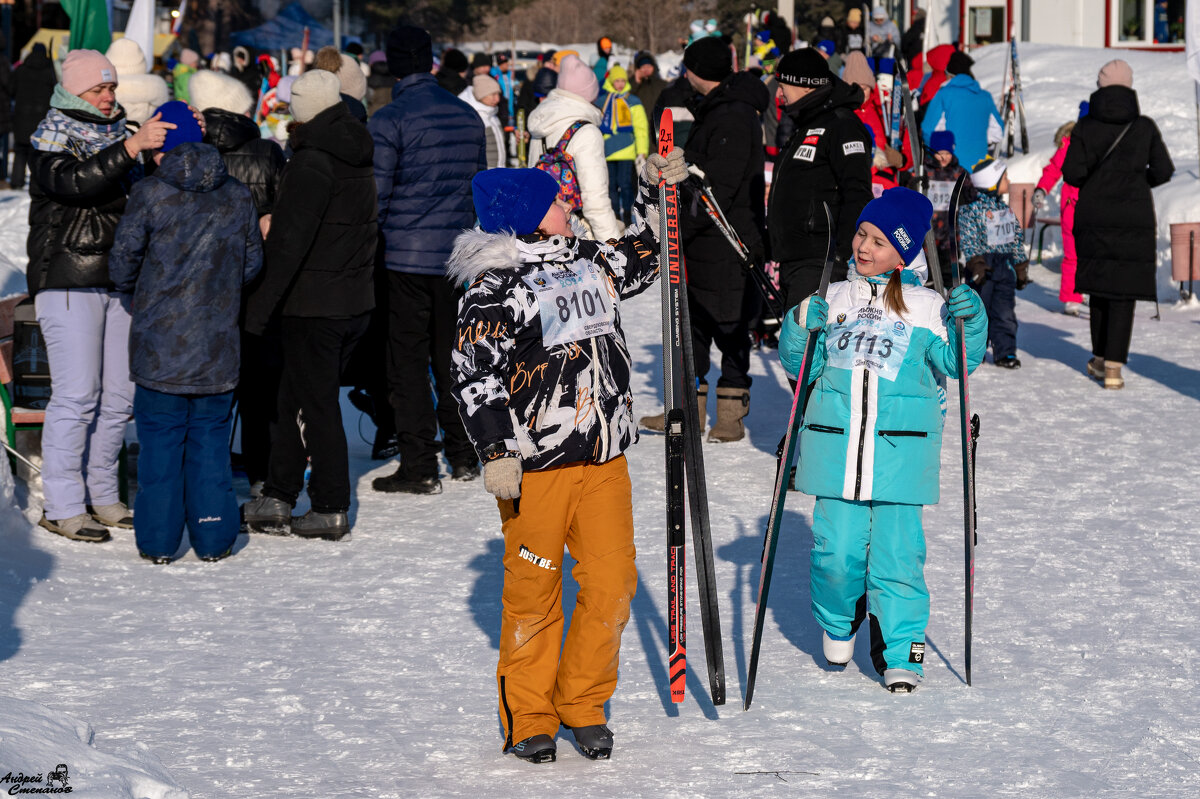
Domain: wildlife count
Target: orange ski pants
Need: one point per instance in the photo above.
(544, 680)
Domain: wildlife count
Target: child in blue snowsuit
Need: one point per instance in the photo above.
(872, 435)
(187, 243)
(991, 241)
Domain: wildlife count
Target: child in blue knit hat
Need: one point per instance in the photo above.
(993, 244)
(871, 441)
(186, 244)
(942, 170)
(541, 374)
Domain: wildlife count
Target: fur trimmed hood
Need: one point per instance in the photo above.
(476, 252)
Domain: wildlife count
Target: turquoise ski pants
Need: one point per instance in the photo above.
(876, 549)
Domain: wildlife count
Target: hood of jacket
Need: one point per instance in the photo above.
(559, 109)
(193, 166)
(467, 95)
(841, 95)
(740, 87)
(939, 57)
(1116, 105)
(965, 82)
(229, 131)
(337, 132)
(476, 252)
(37, 60)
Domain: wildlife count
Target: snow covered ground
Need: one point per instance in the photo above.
(366, 668)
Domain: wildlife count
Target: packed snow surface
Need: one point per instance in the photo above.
(366, 668)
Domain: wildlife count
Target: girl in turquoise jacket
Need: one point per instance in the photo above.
(871, 441)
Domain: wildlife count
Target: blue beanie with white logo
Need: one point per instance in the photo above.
(903, 215)
(513, 200)
(941, 140)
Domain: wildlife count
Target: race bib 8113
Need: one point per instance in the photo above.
(866, 337)
(573, 304)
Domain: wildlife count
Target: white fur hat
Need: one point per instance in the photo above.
(209, 89)
(127, 56)
(354, 82)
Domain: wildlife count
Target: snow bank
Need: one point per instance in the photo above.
(45, 752)
(1056, 78)
(14, 221)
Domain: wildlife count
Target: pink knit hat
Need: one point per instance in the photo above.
(1115, 73)
(85, 69)
(577, 78)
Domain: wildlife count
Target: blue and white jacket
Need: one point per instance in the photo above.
(873, 426)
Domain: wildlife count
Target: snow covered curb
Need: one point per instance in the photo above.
(44, 752)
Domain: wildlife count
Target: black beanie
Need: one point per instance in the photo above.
(710, 58)
(806, 68)
(409, 51)
(959, 64)
(481, 60)
(455, 60)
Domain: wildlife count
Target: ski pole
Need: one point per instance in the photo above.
(20, 457)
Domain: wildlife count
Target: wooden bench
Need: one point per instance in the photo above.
(15, 418)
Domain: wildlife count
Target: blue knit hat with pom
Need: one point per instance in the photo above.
(513, 200)
(903, 215)
(187, 129)
(941, 140)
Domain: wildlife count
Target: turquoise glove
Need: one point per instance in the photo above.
(817, 316)
(964, 302)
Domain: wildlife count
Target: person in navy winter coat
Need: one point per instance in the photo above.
(188, 242)
(428, 146)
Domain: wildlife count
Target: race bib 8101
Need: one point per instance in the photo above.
(573, 305)
(866, 337)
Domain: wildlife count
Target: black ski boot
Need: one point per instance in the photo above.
(594, 741)
(397, 483)
(267, 515)
(386, 446)
(327, 526)
(536, 749)
(465, 472)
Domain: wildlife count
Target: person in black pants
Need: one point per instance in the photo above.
(320, 256)
(428, 146)
(1116, 157)
(32, 85)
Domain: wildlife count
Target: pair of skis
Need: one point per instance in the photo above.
(1014, 104)
(684, 455)
(969, 427)
(783, 473)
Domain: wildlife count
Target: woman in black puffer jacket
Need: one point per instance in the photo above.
(320, 257)
(1116, 157)
(82, 168)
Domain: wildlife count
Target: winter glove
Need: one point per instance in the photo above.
(1022, 270)
(894, 158)
(502, 477)
(963, 303)
(1039, 199)
(977, 268)
(673, 169)
(817, 316)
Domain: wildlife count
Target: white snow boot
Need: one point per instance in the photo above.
(837, 652)
(900, 681)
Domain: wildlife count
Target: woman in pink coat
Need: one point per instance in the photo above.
(1070, 194)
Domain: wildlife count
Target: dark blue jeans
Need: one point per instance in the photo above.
(621, 189)
(184, 476)
(999, 295)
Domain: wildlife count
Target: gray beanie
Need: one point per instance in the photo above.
(313, 92)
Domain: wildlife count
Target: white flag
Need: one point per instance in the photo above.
(140, 28)
(1193, 39)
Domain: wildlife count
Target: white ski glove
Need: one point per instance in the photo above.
(502, 477)
(673, 169)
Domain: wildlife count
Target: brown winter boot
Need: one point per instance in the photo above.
(732, 406)
(1112, 375)
(658, 422)
(1095, 367)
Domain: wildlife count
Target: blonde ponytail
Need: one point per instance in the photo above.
(893, 293)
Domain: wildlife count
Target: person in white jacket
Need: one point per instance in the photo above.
(137, 92)
(484, 96)
(571, 102)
